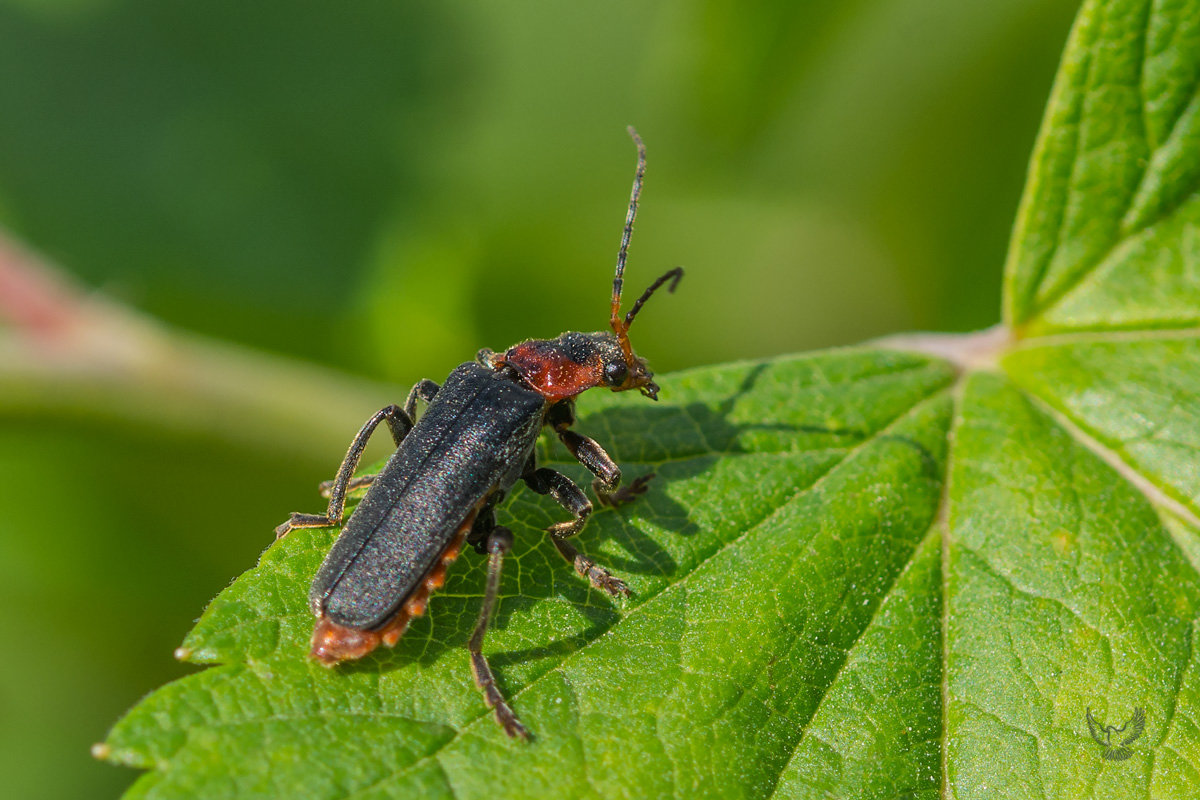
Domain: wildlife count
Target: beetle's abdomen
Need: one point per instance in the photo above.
(472, 440)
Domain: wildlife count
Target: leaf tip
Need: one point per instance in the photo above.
(101, 751)
(182, 653)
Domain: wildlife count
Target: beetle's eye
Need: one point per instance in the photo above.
(615, 373)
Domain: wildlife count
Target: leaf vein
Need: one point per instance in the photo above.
(827, 688)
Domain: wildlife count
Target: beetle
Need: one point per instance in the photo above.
(453, 465)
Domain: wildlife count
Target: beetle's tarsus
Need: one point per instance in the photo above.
(486, 682)
(625, 494)
(361, 482)
(596, 575)
(298, 520)
(603, 580)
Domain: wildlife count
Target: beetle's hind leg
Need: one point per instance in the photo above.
(573, 499)
(424, 390)
(399, 422)
(499, 542)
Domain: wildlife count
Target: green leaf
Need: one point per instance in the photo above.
(737, 627)
(859, 573)
(1106, 235)
(1137, 396)
(1066, 591)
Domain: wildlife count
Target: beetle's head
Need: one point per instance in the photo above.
(575, 362)
(623, 369)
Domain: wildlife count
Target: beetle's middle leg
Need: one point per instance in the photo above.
(400, 424)
(573, 499)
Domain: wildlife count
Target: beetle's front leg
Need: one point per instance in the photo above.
(400, 424)
(573, 499)
(607, 484)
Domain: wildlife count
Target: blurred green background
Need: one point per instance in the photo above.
(385, 187)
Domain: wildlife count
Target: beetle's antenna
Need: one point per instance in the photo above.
(627, 234)
(672, 275)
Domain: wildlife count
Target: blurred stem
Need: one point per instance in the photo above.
(967, 351)
(66, 352)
